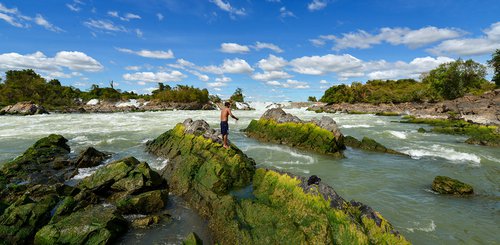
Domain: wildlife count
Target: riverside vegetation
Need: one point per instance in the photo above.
(281, 208)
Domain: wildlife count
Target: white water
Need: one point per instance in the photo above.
(397, 187)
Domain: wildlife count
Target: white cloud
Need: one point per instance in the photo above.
(149, 53)
(72, 60)
(139, 33)
(104, 25)
(132, 68)
(286, 13)
(271, 75)
(317, 5)
(11, 20)
(217, 84)
(486, 44)
(323, 82)
(320, 65)
(289, 84)
(159, 16)
(173, 76)
(385, 70)
(272, 63)
(39, 20)
(226, 6)
(126, 17)
(273, 47)
(73, 7)
(235, 66)
(233, 48)
(223, 79)
(395, 36)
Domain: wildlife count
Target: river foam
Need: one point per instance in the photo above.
(444, 152)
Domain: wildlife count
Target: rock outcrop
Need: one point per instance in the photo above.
(91, 157)
(277, 126)
(369, 144)
(36, 206)
(283, 208)
(447, 185)
(23, 108)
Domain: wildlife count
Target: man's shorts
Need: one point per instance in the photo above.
(224, 128)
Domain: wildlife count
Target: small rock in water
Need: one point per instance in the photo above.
(447, 185)
(90, 158)
(313, 180)
(192, 239)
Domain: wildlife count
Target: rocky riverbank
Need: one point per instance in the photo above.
(483, 109)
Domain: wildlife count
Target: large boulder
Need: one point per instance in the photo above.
(24, 108)
(90, 157)
(447, 185)
(144, 203)
(282, 209)
(277, 126)
(94, 225)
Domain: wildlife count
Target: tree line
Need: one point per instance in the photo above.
(448, 81)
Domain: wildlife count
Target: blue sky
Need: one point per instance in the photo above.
(275, 50)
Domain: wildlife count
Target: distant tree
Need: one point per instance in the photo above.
(237, 95)
(55, 82)
(454, 79)
(495, 64)
(214, 98)
(112, 84)
(312, 99)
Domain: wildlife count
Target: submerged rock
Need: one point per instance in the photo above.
(147, 221)
(192, 239)
(24, 108)
(284, 209)
(447, 185)
(369, 145)
(90, 157)
(277, 126)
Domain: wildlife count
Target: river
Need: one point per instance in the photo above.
(398, 187)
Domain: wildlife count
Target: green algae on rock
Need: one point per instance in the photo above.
(92, 225)
(283, 209)
(276, 126)
(192, 239)
(447, 185)
(479, 134)
(369, 145)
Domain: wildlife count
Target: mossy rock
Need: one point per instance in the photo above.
(387, 114)
(307, 136)
(93, 225)
(421, 130)
(21, 220)
(369, 144)
(144, 203)
(147, 221)
(192, 239)
(447, 185)
(479, 134)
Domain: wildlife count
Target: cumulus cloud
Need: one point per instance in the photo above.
(132, 68)
(317, 5)
(271, 75)
(155, 54)
(233, 48)
(272, 63)
(156, 77)
(226, 6)
(346, 66)
(289, 84)
(395, 36)
(234, 66)
(38, 61)
(486, 44)
(320, 65)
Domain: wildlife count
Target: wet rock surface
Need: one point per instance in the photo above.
(277, 126)
(23, 108)
(447, 185)
(369, 144)
(285, 208)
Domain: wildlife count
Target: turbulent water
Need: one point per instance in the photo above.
(398, 187)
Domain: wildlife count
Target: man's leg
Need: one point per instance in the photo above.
(224, 137)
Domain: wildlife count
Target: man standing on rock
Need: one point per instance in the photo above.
(224, 125)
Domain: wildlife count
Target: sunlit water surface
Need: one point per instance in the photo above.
(398, 187)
